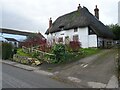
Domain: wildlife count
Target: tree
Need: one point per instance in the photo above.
(6, 50)
(35, 40)
(116, 31)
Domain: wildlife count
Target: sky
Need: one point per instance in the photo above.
(119, 13)
(17, 37)
(33, 15)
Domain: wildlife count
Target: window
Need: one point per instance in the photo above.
(67, 40)
(90, 31)
(53, 40)
(61, 27)
(75, 38)
(60, 39)
(62, 34)
(75, 29)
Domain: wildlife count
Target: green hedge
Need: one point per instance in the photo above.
(6, 50)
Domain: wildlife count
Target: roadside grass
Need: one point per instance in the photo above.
(89, 51)
(83, 52)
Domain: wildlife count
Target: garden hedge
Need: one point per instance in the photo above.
(6, 50)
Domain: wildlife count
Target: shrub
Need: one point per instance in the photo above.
(68, 48)
(59, 51)
(75, 45)
(35, 54)
(6, 50)
(50, 58)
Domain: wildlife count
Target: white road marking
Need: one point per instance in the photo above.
(82, 64)
(74, 79)
(85, 65)
(56, 72)
(96, 85)
(113, 82)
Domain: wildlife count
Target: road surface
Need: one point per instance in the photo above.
(13, 77)
(92, 74)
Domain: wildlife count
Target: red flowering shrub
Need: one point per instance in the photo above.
(75, 45)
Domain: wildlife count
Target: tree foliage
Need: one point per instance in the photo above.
(116, 30)
(59, 51)
(6, 50)
(34, 40)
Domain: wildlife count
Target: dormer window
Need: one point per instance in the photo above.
(90, 31)
(61, 28)
(75, 29)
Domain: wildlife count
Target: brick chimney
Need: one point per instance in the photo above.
(96, 12)
(50, 22)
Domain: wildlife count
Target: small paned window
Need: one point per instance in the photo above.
(75, 38)
(60, 39)
(75, 29)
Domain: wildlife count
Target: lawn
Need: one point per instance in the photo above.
(89, 51)
(21, 53)
(83, 52)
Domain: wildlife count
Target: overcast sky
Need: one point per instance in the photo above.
(33, 15)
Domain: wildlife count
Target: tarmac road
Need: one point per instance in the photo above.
(13, 77)
(92, 72)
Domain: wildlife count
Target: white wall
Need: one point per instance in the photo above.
(85, 39)
(92, 40)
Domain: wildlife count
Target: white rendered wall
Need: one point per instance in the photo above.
(92, 41)
(85, 39)
(82, 32)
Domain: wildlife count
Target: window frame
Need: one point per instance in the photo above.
(75, 29)
(76, 37)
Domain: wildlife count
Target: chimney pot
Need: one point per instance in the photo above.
(50, 22)
(96, 12)
(79, 7)
(96, 6)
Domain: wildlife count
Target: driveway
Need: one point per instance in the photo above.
(95, 71)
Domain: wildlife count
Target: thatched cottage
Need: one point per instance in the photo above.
(79, 25)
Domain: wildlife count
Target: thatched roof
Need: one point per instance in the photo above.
(80, 18)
